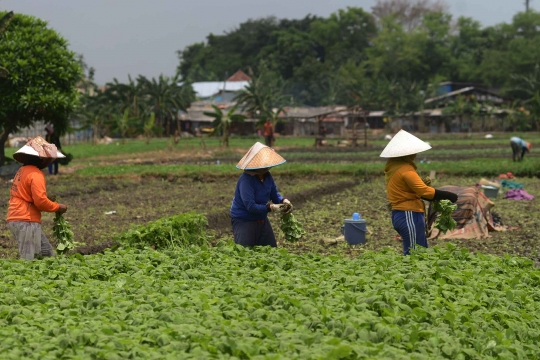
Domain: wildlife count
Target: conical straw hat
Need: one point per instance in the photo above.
(260, 156)
(38, 147)
(404, 144)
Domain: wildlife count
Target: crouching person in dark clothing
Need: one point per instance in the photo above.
(519, 148)
(254, 191)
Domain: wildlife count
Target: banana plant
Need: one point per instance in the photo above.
(122, 124)
(149, 126)
(223, 121)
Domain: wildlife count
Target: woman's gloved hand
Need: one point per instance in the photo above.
(445, 195)
(289, 206)
(279, 208)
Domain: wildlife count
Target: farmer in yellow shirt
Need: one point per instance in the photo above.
(405, 189)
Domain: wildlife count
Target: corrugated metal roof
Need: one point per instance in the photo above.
(208, 88)
(462, 91)
(310, 112)
(198, 115)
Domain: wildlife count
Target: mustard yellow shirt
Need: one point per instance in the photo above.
(404, 187)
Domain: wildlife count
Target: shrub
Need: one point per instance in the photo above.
(176, 231)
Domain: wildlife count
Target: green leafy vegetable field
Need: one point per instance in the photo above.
(232, 302)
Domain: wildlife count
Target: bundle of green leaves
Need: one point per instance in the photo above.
(176, 231)
(66, 160)
(292, 228)
(63, 234)
(444, 221)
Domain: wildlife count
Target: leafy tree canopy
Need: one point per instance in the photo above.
(316, 60)
(43, 73)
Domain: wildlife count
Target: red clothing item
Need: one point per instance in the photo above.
(268, 129)
(29, 196)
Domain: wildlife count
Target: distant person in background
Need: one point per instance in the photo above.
(52, 138)
(268, 133)
(519, 148)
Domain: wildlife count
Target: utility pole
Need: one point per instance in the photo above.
(527, 5)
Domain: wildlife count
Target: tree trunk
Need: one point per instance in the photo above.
(95, 134)
(365, 129)
(3, 139)
(226, 136)
(318, 132)
(483, 123)
(354, 134)
(135, 109)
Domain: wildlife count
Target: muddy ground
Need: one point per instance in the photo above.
(321, 204)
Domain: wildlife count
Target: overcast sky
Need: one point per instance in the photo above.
(120, 37)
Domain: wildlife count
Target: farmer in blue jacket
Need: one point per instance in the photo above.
(519, 148)
(254, 191)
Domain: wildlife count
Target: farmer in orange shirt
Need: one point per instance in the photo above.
(268, 133)
(28, 198)
(405, 189)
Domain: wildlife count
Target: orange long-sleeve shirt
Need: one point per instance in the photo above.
(405, 188)
(29, 196)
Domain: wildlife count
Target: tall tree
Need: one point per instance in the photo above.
(4, 21)
(165, 98)
(345, 35)
(264, 91)
(43, 74)
(126, 95)
(409, 13)
(527, 88)
(94, 112)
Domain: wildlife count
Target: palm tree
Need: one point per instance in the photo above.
(253, 99)
(527, 87)
(149, 126)
(122, 124)
(223, 121)
(165, 98)
(94, 112)
(126, 96)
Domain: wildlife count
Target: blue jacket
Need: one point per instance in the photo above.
(252, 195)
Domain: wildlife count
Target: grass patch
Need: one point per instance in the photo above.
(474, 167)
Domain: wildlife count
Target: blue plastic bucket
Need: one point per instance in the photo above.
(490, 191)
(354, 231)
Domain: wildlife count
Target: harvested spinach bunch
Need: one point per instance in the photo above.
(292, 228)
(444, 221)
(63, 234)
